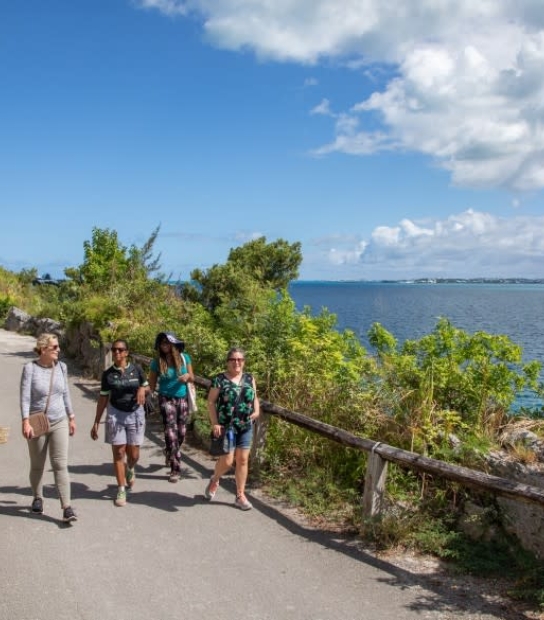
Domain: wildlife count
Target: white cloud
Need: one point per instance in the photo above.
(468, 244)
(245, 236)
(168, 7)
(322, 108)
(310, 82)
(469, 86)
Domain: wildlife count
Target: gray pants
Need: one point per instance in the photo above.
(56, 441)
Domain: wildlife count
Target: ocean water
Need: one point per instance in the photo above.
(410, 311)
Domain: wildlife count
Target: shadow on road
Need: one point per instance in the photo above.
(14, 509)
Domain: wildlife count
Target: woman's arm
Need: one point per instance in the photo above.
(186, 376)
(152, 380)
(213, 395)
(256, 403)
(143, 387)
(100, 406)
(68, 400)
(25, 397)
(189, 375)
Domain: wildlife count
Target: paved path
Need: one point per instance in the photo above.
(169, 554)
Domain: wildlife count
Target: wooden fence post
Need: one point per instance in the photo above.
(376, 474)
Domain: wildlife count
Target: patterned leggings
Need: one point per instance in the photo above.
(174, 412)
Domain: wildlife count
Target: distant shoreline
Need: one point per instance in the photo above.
(431, 281)
(57, 282)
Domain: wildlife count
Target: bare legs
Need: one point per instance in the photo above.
(121, 454)
(225, 462)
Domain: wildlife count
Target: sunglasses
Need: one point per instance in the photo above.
(117, 349)
(236, 359)
(54, 347)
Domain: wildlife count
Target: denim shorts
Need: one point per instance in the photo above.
(241, 440)
(125, 427)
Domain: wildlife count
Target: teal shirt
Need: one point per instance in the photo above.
(168, 385)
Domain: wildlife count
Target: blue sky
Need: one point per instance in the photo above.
(393, 140)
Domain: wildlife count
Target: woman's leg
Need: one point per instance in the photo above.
(182, 411)
(58, 456)
(170, 411)
(242, 467)
(133, 455)
(135, 429)
(119, 453)
(223, 464)
(37, 450)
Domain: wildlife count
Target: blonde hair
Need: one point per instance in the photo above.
(43, 341)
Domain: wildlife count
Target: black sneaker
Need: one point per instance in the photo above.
(37, 506)
(69, 515)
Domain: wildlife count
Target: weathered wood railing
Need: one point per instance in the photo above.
(380, 454)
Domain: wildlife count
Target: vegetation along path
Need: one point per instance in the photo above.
(170, 554)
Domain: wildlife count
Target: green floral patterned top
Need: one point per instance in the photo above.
(232, 407)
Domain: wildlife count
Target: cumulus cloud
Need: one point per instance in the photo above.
(468, 85)
(467, 244)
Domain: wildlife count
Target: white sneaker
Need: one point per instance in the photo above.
(242, 502)
(211, 489)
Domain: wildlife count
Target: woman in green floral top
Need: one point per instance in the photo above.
(233, 404)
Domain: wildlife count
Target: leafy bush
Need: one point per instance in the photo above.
(416, 396)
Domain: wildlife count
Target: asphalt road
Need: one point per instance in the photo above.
(169, 553)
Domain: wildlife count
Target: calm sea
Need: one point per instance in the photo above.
(411, 311)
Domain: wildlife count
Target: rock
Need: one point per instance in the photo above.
(17, 320)
(519, 436)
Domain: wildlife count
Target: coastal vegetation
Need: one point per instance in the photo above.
(447, 395)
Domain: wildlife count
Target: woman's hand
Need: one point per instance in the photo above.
(216, 430)
(28, 433)
(184, 378)
(72, 426)
(94, 431)
(140, 395)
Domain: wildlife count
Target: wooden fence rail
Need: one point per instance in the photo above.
(380, 454)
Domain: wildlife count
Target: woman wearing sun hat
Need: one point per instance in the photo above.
(169, 374)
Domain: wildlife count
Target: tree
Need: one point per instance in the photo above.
(107, 263)
(274, 265)
(256, 264)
